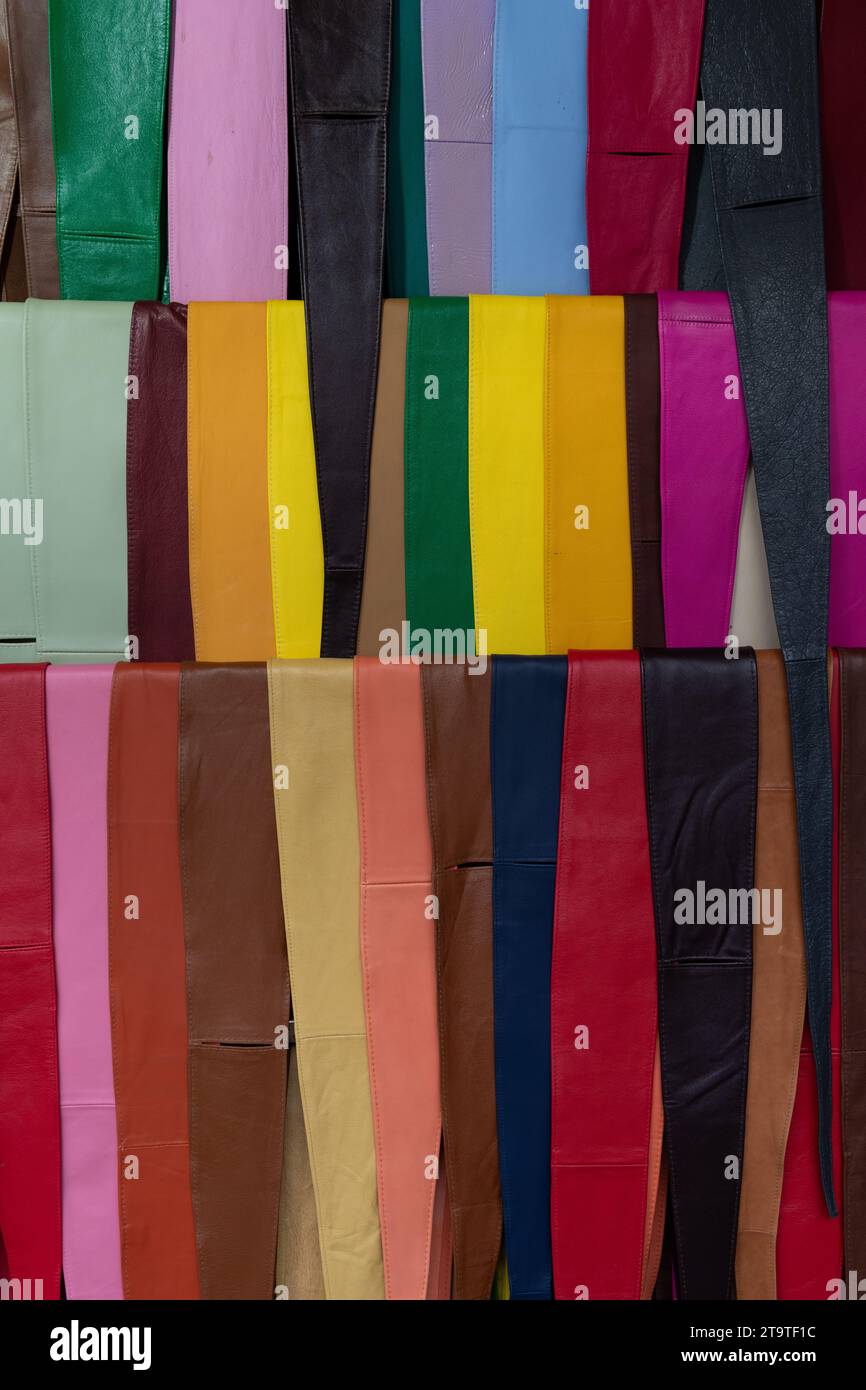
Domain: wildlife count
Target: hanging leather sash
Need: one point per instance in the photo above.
(852, 940)
(701, 739)
(340, 61)
(458, 116)
(148, 987)
(28, 56)
(109, 63)
(539, 148)
(588, 580)
(30, 1221)
(642, 436)
(18, 630)
(406, 244)
(843, 142)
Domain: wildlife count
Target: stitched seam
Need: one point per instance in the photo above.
(194, 482)
(28, 460)
(272, 534)
(558, 1100)
(548, 474)
(472, 431)
(134, 571)
(114, 850)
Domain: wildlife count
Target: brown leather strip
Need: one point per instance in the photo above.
(237, 976)
(8, 139)
(852, 946)
(457, 733)
(28, 46)
(643, 427)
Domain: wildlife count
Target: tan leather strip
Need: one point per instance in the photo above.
(299, 1260)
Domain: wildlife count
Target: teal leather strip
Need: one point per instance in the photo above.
(17, 615)
(109, 64)
(75, 370)
(407, 197)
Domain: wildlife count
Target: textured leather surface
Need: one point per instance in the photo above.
(847, 326)
(458, 94)
(643, 65)
(30, 1221)
(313, 736)
(299, 1259)
(852, 943)
(506, 470)
(236, 977)
(701, 741)
(17, 604)
(643, 411)
(603, 981)
(843, 142)
(160, 607)
(539, 148)
(228, 156)
(297, 563)
(8, 141)
(229, 525)
(526, 724)
(147, 979)
(77, 713)
(438, 545)
(457, 734)
(398, 960)
(406, 243)
(778, 993)
(383, 599)
(28, 56)
(588, 580)
(109, 61)
(340, 62)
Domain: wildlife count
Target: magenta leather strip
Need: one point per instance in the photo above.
(847, 322)
(457, 49)
(77, 707)
(228, 138)
(704, 458)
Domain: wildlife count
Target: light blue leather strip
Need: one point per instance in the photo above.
(17, 515)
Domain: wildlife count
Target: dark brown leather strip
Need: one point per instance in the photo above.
(852, 946)
(28, 50)
(8, 140)
(642, 428)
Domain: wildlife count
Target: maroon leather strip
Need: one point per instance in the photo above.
(843, 142)
(852, 941)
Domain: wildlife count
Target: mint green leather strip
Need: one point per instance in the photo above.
(17, 615)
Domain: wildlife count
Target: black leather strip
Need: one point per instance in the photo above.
(642, 398)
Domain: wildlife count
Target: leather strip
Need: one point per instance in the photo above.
(539, 148)
(458, 116)
(340, 60)
(160, 607)
(30, 1219)
(313, 740)
(228, 156)
(457, 734)
(383, 598)
(77, 710)
(236, 977)
(843, 142)
(28, 53)
(297, 563)
(778, 991)
(642, 403)
(603, 989)
(18, 631)
(406, 244)
(506, 471)
(526, 723)
(229, 524)
(8, 140)
(109, 64)
(299, 1259)
(438, 543)
(398, 962)
(148, 986)
(701, 777)
(588, 579)
(852, 943)
(847, 325)
(13, 265)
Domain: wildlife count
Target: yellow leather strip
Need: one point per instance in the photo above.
(297, 557)
(229, 545)
(313, 750)
(506, 470)
(588, 538)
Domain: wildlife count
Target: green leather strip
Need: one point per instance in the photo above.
(438, 548)
(109, 63)
(17, 616)
(75, 371)
(407, 196)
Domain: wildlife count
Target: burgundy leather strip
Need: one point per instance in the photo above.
(843, 142)
(852, 941)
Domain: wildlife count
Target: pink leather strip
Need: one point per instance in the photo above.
(399, 966)
(228, 183)
(847, 315)
(77, 707)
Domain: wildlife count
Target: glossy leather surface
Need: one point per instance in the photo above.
(28, 56)
(642, 404)
(843, 142)
(406, 239)
(852, 943)
(17, 603)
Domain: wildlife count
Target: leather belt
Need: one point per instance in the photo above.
(312, 739)
(28, 55)
(843, 142)
(603, 992)
(236, 977)
(852, 877)
(526, 722)
(539, 148)
(457, 732)
(148, 987)
(77, 715)
(160, 608)
(398, 960)
(297, 563)
(340, 61)
(228, 156)
(406, 239)
(458, 110)
(643, 64)
(30, 1221)
(109, 58)
(588, 580)
(701, 775)
(18, 632)
(642, 431)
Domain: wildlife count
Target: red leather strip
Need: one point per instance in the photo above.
(843, 142)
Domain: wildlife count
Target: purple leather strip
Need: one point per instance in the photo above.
(457, 47)
(847, 317)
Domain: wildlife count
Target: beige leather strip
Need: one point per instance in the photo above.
(299, 1260)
